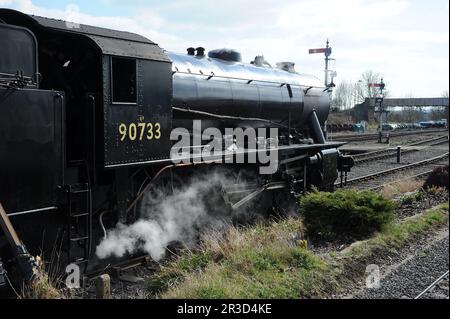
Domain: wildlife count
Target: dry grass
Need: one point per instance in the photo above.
(401, 187)
(43, 285)
(272, 261)
(234, 239)
(263, 261)
(239, 262)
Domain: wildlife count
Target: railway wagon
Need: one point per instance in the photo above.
(86, 118)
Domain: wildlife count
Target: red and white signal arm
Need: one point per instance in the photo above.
(327, 51)
(377, 85)
(321, 50)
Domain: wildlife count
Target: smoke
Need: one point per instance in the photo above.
(169, 216)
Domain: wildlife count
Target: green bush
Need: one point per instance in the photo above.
(345, 213)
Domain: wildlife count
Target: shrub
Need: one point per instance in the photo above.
(437, 178)
(345, 213)
(409, 199)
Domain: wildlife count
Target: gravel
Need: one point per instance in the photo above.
(396, 176)
(396, 140)
(429, 200)
(439, 291)
(379, 165)
(132, 288)
(415, 272)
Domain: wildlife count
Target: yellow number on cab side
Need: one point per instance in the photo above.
(132, 132)
(122, 131)
(158, 131)
(149, 131)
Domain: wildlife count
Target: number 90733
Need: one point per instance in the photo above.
(139, 131)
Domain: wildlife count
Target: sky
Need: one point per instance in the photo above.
(407, 41)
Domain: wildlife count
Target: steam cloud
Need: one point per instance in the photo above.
(165, 218)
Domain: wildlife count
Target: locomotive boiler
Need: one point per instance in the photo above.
(86, 116)
(220, 84)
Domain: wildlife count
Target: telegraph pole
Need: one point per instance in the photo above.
(379, 101)
(327, 51)
(327, 60)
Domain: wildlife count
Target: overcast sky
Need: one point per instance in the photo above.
(405, 40)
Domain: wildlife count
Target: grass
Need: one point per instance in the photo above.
(273, 261)
(411, 198)
(264, 261)
(398, 188)
(43, 286)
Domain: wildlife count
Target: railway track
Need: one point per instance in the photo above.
(381, 154)
(374, 136)
(367, 181)
(437, 290)
(412, 177)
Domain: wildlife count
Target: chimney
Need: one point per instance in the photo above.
(200, 52)
(190, 51)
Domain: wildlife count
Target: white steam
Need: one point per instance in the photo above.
(167, 217)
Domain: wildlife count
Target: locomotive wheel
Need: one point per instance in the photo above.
(284, 204)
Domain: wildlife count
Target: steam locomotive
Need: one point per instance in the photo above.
(86, 116)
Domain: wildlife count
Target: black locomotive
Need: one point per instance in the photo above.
(86, 115)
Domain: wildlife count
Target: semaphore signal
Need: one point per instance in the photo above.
(327, 51)
(379, 100)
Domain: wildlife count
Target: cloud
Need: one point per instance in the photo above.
(403, 39)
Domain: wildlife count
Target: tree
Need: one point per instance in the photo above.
(343, 96)
(362, 90)
(411, 114)
(439, 113)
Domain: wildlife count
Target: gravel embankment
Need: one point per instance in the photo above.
(439, 291)
(428, 201)
(422, 264)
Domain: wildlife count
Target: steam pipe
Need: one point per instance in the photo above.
(317, 130)
(138, 197)
(228, 116)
